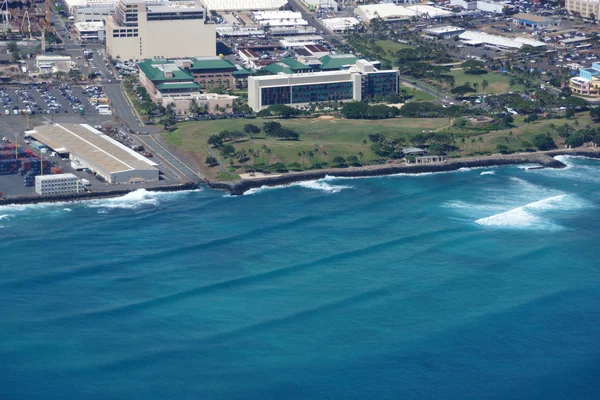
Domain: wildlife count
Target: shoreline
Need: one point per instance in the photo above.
(544, 159)
(93, 195)
(238, 188)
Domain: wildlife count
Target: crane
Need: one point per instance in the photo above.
(26, 16)
(45, 26)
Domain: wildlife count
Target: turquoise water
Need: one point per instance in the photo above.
(475, 284)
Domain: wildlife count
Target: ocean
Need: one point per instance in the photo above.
(473, 284)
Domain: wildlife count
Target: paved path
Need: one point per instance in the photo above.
(185, 170)
(212, 153)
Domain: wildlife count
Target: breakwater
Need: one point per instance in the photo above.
(94, 195)
(545, 159)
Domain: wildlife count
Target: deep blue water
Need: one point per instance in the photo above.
(476, 284)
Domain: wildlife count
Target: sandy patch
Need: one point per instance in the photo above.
(326, 117)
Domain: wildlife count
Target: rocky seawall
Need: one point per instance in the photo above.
(544, 159)
(93, 195)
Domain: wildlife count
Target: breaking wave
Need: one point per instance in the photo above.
(320, 184)
(527, 216)
(135, 199)
(488, 173)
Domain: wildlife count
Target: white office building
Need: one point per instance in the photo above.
(171, 29)
(57, 184)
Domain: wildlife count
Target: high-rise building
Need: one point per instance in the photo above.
(173, 29)
(584, 8)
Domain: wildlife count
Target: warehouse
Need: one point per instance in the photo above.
(388, 12)
(474, 38)
(340, 24)
(108, 158)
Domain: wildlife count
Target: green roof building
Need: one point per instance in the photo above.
(333, 62)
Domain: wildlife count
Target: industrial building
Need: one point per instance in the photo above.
(57, 184)
(473, 38)
(140, 30)
(531, 21)
(314, 5)
(48, 64)
(243, 5)
(443, 32)
(90, 148)
(388, 12)
(585, 8)
(359, 82)
(340, 24)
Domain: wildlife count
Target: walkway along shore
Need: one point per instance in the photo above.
(545, 159)
(238, 188)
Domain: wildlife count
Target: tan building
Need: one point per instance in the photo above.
(583, 8)
(176, 29)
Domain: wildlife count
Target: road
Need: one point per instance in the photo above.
(314, 21)
(438, 95)
(153, 145)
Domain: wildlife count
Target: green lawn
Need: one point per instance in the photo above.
(335, 137)
(390, 45)
(520, 132)
(498, 83)
(422, 96)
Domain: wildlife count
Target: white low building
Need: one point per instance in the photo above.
(243, 5)
(90, 31)
(474, 38)
(57, 184)
(340, 24)
(388, 12)
(492, 7)
(55, 63)
(430, 11)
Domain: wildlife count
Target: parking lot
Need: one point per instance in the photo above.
(51, 100)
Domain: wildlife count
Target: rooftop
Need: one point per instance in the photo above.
(155, 71)
(178, 85)
(91, 145)
(337, 61)
(532, 18)
(214, 62)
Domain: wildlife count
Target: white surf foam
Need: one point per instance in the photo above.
(136, 199)
(522, 217)
(5, 216)
(488, 173)
(320, 184)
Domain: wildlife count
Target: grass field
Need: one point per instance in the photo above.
(335, 137)
(498, 83)
(514, 136)
(422, 96)
(390, 45)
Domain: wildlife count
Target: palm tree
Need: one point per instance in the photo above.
(361, 156)
(324, 154)
(484, 85)
(476, 87)
(299, 154)
(480, 141)
(310, 156)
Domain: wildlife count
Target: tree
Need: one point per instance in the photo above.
(270, 127)
(211, 161)
(476, 87)
(508, 119)
(353, 160)
(575, 140)
(227, 150)
(462, 90)
(339, 162)
(251, 130)
(283, 111)
(194, 108)
(544, 142)
(484, 85)
(215, 140)
(530, 118)
(595, 113)
(570, 113)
